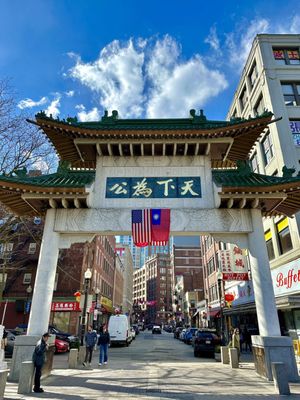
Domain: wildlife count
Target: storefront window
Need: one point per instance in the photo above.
(284, 236)
(295, 130)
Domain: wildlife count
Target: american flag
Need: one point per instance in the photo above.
(151, 227)
(141, 227)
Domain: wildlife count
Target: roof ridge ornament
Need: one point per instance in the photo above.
(197, 118)
(288, 172)
(243, 167)
(110, 119)
(63, 167)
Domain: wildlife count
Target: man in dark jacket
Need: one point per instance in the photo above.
(103, 342)
(90, 341)
(38, 359)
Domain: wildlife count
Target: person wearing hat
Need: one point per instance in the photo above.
(38, 359)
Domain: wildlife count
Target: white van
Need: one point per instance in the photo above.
(119, 329)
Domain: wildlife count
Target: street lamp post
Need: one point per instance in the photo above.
(87, 278)
(220, 278)
(95, 322)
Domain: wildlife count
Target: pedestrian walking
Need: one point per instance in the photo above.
(38, 359)
(103, 342)
(90, 341)
(235, 342)
(247, 338)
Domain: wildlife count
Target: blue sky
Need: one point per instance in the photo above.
(144, 58)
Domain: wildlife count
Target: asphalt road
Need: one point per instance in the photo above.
(153, 367)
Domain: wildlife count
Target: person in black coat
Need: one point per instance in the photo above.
(38, 359)
(103, 342)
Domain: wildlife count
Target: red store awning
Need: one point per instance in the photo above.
(215, 313)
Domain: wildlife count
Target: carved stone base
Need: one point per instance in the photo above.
(269, 349)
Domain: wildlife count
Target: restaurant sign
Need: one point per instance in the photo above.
(65, 306)
(286, 278)
(233, 264)
(154, 187)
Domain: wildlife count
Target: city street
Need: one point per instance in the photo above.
(157, 367)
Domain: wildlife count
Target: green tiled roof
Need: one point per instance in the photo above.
(236, 178)
(68, 179)
(226, 178)
(114, 123)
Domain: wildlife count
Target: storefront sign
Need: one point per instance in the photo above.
(286, 278)
(295, 129)
(158, 188)
(106, 302)
(243, 293)
(65, 306)
(233, 264)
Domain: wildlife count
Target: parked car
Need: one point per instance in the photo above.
(61, 346)
(156, 329)
(205, 342)
(136, 328)
(149, 327)
(168, 328)
(188, 337)
(182, 334)
(133, 332)
(10, 341)
(177, 332)
(119, 330)
(74, 341)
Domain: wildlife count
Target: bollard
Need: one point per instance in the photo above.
(81, 354)
(26, 377)
(3, 378)
(73, 358)
(225, 354)
(280, 378)
(233, 358)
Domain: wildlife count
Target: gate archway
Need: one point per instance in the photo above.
(191, 166)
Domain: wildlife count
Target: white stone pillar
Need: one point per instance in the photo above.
(45, 279)
(262, 281)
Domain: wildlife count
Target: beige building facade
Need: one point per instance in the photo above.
(271, 80)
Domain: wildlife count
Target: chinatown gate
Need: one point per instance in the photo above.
(193, 166)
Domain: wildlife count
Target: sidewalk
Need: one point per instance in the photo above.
(166, 380)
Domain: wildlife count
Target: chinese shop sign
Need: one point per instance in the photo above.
(158, 188)
(65, 306)
(233, 265)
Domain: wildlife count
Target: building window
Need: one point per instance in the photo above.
(254, 163)
(267, 146)
(291, 93)
(284, 236)
(253, 75)
(6, 247)
(259, 107)
(269, 244)
(295, 130)
(244, 98)
(27, 279)
(286, 56)
(32, 248)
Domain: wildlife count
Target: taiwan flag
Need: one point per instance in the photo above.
(160, 226)
(151, 227)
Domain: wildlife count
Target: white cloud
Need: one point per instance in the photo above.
(92, 115)
(53, 108)
(212, 39)
(70, 93)
(239, 43)
(29, 103)
(147, 77)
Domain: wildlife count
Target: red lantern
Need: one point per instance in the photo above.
(229, 297)
(77, 296)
